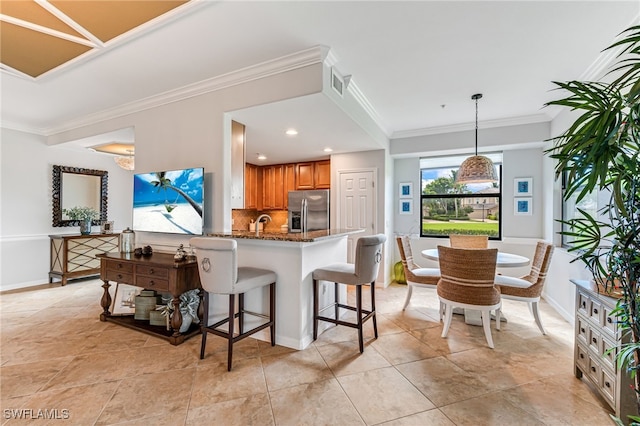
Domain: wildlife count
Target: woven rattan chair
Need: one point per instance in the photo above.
(467, 281)
(363, 272)
(469, 241)
(535, 279)
(414, 274)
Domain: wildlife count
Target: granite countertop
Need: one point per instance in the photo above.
(301, 237)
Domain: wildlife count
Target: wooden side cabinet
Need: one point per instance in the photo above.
(74, 256)
(597, 344)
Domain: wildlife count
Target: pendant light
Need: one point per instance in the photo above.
(477, 168)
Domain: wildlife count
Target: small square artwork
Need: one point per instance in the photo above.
(106, 227)
(406, 190)
(522, 206)
(406, 206)
(522, 187)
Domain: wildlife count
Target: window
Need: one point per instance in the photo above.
(588, 204)
(449, 208)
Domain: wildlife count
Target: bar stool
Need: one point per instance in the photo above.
(363, 272)
(220, 274)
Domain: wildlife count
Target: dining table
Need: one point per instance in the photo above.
(503, 260)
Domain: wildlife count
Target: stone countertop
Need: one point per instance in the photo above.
(300, 237)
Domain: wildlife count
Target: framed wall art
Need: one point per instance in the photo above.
(523, 187)
(406, 206)
(124, 302)
(522, 206)
(406, 190)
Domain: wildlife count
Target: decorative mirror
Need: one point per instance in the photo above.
(73, 186)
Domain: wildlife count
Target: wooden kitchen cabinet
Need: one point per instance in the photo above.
(323, 174)
(251, 186)
(289, 182)
(305, 176)
(273, 187)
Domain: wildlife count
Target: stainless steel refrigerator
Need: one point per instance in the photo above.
(308, 210)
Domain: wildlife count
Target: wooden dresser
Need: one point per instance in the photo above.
(74, 256)
(596, 332)
(158, 272)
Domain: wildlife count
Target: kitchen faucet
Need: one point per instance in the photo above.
(262, 216)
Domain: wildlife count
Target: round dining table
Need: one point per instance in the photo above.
(504, 260)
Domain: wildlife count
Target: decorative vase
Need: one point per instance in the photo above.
(186, 323)
(85, 226)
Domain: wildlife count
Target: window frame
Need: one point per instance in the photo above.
(423, 197)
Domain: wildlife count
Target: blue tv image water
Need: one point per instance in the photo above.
(169, 201)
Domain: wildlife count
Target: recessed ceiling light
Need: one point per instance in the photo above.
(262, 157)
(291, 132)
(327, 149)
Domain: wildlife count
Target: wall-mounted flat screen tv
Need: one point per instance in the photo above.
(169, 201)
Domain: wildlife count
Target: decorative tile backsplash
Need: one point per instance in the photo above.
(243, 217)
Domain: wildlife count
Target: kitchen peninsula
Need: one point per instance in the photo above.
(293, 257)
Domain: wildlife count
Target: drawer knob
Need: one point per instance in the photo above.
(119, 276)
(581, 356)
(151, 282)
(119, 265)
(151, 271)
(593, 369)
(594, 340)
(582, 330)
(595, 311)
(607, 384)
(584, 304)
(609, 320)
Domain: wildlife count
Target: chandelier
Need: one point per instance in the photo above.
(127, 163)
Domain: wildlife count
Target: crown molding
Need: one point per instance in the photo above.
(364, 103)
(314, 55)
(486, 124)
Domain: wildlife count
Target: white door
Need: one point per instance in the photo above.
(356, 206)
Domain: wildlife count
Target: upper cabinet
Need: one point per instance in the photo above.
(267, 187)
(313, 175)
(237, 165)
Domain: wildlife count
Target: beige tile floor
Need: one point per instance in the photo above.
(57, 355)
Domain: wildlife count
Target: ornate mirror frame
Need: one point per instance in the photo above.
(57, 193)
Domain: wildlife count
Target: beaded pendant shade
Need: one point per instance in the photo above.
(477, 168)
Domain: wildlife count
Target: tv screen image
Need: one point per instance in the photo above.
(169, 201)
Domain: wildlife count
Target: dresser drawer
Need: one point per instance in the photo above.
(595, 312)
(609, 321)
(152, 283)
(609, 353)
(120, 266)
(595, 341)
(608, 386)
(119, 276)
(151, 271)
(582, 358)
(582, 332)
(594, 371)
(584, 304)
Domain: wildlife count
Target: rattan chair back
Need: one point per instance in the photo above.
(469, 241)
(404, 246)
(537, 275)
(467, 276)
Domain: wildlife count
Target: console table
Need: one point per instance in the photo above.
(74, 256)
(159, 272)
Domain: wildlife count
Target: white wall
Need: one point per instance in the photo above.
(523, 156)
(366, 160)
(185, 133)
(26, 205)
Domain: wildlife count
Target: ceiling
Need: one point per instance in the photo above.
(416, 63)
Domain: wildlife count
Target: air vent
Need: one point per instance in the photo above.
(337, 82)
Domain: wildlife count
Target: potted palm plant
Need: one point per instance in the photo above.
(599, 152)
